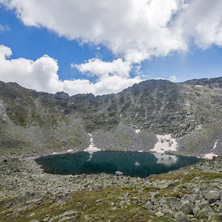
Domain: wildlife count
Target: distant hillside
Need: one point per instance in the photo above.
(39, 122)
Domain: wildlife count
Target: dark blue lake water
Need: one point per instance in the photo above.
(133, 164)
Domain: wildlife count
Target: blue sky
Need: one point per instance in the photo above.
(95, 49)
(32, 43)
(197, 63)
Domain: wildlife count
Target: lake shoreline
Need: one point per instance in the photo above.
(66, 152)
(134, 164)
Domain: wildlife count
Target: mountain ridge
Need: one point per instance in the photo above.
(190, 111)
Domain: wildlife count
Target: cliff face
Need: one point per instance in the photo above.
(39, 122)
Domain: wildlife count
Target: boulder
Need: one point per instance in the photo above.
(186, 207)
(196, 210)
(180, 216)
(159, 214)
(173, 203)
(213, 195)
(118, 173)
(170, 213)
(203, 212)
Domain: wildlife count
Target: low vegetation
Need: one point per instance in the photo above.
(189, 194)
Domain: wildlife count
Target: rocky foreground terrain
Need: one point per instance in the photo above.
(184, 118)
(189, 194)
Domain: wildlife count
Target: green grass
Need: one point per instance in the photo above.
(187, 177)
(211, 176)
(108, 204)
(97, 205)
(40, 210)
(110, 207)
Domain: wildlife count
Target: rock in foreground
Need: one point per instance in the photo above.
(189, 194)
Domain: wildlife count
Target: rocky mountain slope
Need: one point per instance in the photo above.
(34, 122)
(184, 118)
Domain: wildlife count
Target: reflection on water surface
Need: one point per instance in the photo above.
(133, 164)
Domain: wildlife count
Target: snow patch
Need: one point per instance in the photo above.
(137, 131)
(215, 144)
(209, 156)
(165, 143)
(92, 148)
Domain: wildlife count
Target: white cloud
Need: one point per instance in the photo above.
(201, 21)
(5, 52)
(173, 79)
(159, 78)
(96, 67)
(42, 75)
(114, 84)
(4, 28)
(132, 29)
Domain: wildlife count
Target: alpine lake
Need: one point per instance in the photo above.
(134, 164)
